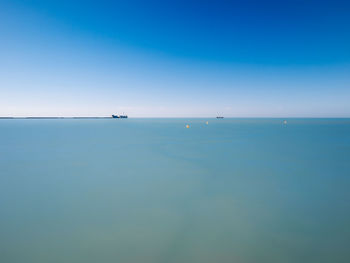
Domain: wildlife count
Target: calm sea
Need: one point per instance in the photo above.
(151, 190)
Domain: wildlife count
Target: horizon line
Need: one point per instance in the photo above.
(169, 117)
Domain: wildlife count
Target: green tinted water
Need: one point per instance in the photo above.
(150, 190)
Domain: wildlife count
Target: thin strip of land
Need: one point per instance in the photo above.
(39, 118)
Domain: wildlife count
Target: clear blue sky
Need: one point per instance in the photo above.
(175, 58)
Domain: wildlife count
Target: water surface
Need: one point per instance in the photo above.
(150, 190)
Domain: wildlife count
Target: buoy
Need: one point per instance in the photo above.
(207, 123)
(187, 126)
(284, 122)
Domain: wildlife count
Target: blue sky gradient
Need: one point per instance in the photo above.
(175, 59)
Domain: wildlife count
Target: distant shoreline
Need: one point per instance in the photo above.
(210, 117)
(6, 118)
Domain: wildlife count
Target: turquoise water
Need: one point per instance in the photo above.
(150, 190)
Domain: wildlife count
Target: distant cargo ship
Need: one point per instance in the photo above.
(119, 116)
(219, 117)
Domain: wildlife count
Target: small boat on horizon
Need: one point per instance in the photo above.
(219, 117)
(119, 116)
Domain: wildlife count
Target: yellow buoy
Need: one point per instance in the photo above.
(187, 126)
(207, 122)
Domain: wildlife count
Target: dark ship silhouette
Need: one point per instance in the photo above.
(119, 116)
